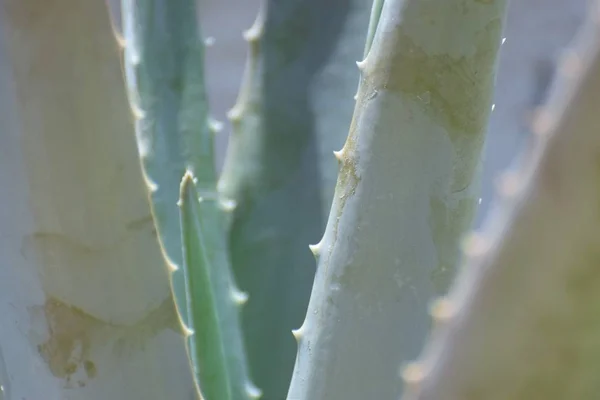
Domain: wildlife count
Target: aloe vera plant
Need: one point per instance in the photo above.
(164, 72)
(123, 264)
(87, 311)
(391, 241)
(529, 289)
(217, 351)
(163, 50)
(301, 56)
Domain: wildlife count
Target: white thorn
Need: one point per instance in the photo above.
(214, 125)
(171, 266)
(152, 186)
(235, 114)
(339, 155)
(252, 391)
(239, 298)
(187, 331)
(255, 32)
(503, 40)
(475, 245)
(298, 333)
(227, 205)
(542, 122)
(570, 65)
(493, 106)
(361, 65)
(442, 310)
(315, 249)
(413, 375)
(209, 41)
(136, 111)
(508, 185)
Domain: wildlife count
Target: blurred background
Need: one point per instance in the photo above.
(536, 32)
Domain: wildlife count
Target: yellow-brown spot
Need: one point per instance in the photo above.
(347, 181)
(456, 86)
(454, 91)
(90, 369)
(75, 337)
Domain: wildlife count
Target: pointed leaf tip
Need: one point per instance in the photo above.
(186, 187)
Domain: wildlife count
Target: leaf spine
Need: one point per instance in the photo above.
(214, 125)
(508, 184)
(542, 122)
(239, 298)
(442, 310)
(339, 156)
(361, 65)
(298, 333)
(413, 375)
(315, 249)
(209, 41)
(475, 245)
(235, 114)
(252, 391)
(570, 64)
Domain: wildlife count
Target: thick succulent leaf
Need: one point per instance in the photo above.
(407, 190)
(87, 310)
(216, 346)
(293, 111)
(164, 69)
(521, 322)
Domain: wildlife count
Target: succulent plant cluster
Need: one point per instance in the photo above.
(147, 245)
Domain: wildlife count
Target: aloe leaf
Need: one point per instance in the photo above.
(521, 320)
(164, 69)
(407, 190)
(214, 304)
(293, 110)
(373, 23)
(87, 310)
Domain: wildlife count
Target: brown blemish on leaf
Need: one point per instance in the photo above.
(348, 178)
(75, 337)
(346, 184)
(457, 86)
(454, 91)
(90, 369)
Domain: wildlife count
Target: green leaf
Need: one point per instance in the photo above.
(216, 346)
(407, 190)
(164, 70)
